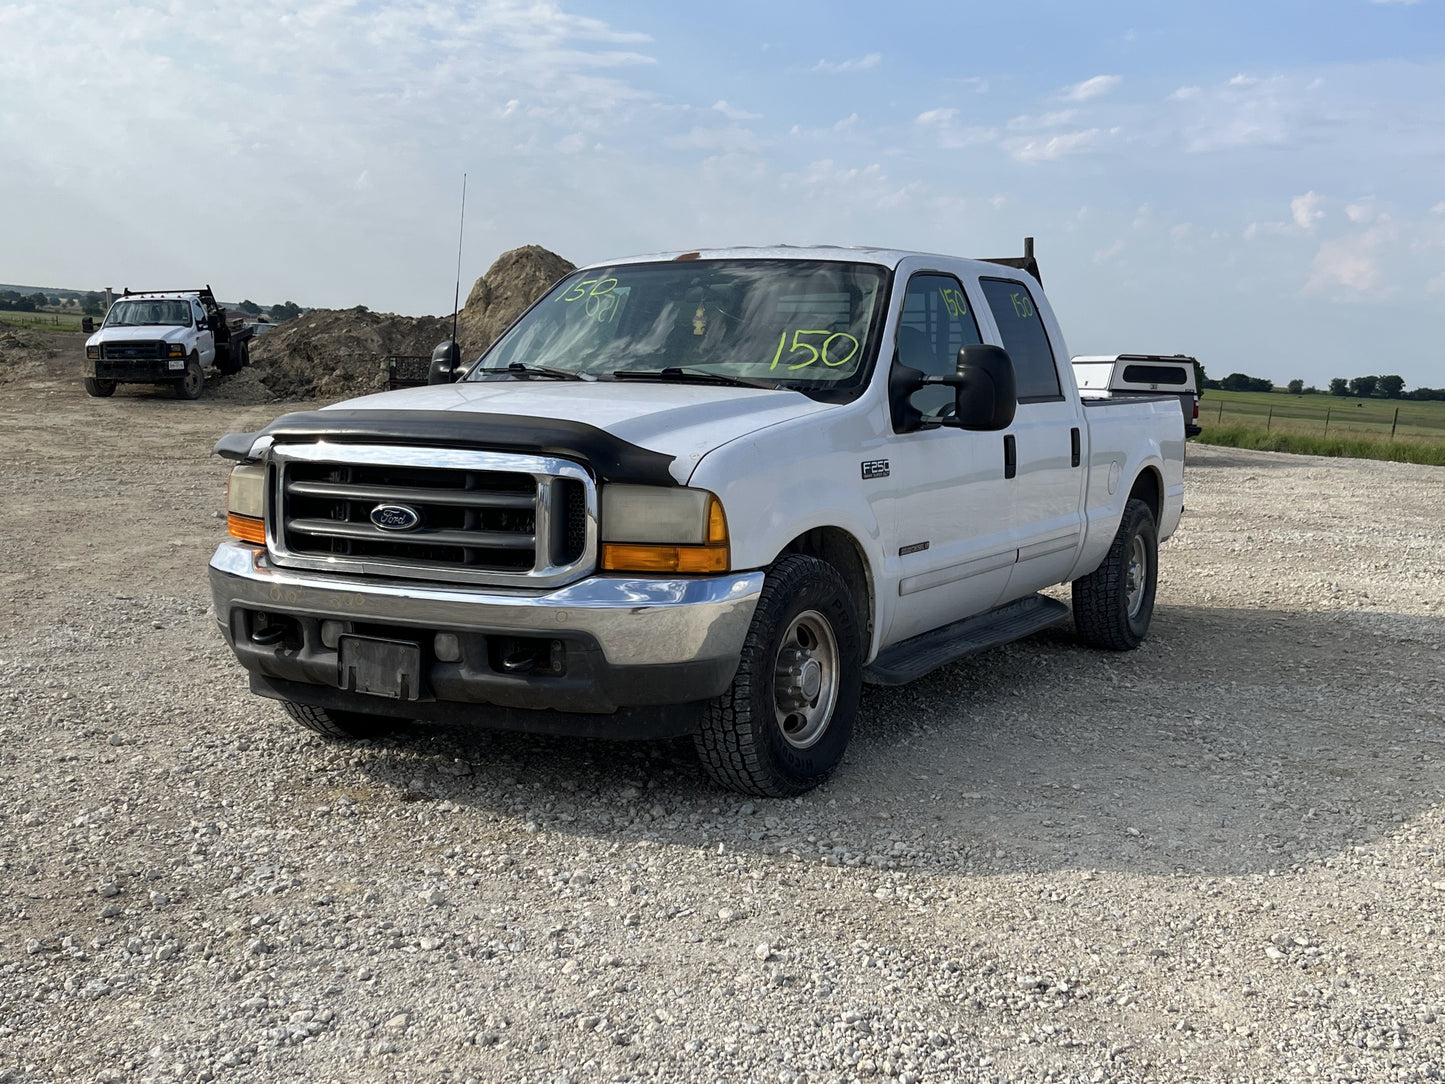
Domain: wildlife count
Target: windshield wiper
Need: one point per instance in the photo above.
(679, 375)
(521, 369)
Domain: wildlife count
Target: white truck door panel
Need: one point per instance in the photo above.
(950, 549)
(1046, 493)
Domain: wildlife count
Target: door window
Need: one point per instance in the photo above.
(935, 323)
(1025, 339)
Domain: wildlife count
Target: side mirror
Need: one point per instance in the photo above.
(446, 363)
(984, 391)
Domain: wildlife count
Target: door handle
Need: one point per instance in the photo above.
(1074, 447)
(1010, 456)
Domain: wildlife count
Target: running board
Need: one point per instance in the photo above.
(911, 659)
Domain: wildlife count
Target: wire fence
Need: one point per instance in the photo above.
(1341, 419)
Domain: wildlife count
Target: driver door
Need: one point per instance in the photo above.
(205, 341)
(951, 549)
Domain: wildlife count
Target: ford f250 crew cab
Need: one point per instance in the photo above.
(710, 494)
(164, 337)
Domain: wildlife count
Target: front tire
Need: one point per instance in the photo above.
(337, 725)
(98, 388)
(191, 385)
(1114, 604)
(783, 725)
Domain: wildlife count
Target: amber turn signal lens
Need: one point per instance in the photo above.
(617, 557)
(246, 529)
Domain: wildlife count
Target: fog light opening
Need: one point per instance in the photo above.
(448, 647)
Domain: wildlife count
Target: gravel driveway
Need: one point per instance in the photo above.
(1221, 857)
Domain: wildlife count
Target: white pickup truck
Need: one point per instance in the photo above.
(707, 493)
(166, 337)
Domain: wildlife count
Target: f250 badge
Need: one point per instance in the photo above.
(875, 468)
(396, 517)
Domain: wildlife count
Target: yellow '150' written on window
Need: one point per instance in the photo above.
(599, 301)
(954, 302)
(1023, 305)
(815, 351)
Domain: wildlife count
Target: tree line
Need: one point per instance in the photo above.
(1385, 386)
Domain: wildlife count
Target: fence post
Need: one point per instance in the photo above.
(1220, 415)
(1394, 423)
(1268, 418)
(1327, 421)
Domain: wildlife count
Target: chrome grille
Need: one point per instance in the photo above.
(473, 517)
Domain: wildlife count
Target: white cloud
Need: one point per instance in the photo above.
(1043, 150)
(733, 113)
(715, 140)
(1362, 212)
(951, 136)
(1349, 267)
(1105, 255)
(854, 64)
(1186, 94)
(1092, 88)
(1057, 118)
(1436, 285)
(939, 116)
(1305, 210)
(571, 144)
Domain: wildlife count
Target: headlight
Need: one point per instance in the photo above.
(92, 353)
(246, 503)
(177, 350)
(659, 529)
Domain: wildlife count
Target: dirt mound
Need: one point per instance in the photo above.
(517, 279)
(338, 353)
(27, 353)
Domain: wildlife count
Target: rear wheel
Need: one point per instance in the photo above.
(1114, 604)
(337, 725)
(190, 385)
(98, 388)
(784, 724)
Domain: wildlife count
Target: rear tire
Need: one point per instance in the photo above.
(338, 725)
(98, 388)
(1114, 604)
(784, 724)
(191, 385)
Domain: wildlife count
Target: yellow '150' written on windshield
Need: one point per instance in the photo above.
(600, 301)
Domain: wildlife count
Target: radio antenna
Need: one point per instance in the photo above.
(457, 299)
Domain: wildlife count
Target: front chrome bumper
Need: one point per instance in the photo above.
(627, 641)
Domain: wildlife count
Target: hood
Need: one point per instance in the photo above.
(685, 421)
(148, 333)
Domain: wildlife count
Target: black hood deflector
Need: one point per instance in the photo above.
(610, 458)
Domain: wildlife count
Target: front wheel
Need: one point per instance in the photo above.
(783, 725)
(1114, 604)
(99, 388)
(190, 385)
(337, 725)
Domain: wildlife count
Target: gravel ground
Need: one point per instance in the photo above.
(1221, 857)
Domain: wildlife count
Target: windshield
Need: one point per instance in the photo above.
(133, 312)
(806, 324)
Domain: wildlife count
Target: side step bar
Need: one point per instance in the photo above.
(911, 659)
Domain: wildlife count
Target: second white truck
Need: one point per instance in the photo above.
(706, 493)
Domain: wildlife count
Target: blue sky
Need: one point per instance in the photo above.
(1261, 185)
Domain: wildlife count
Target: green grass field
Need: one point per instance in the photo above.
(64, 321)
(1392, 429)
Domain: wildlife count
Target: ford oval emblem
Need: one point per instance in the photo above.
(396, 517)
